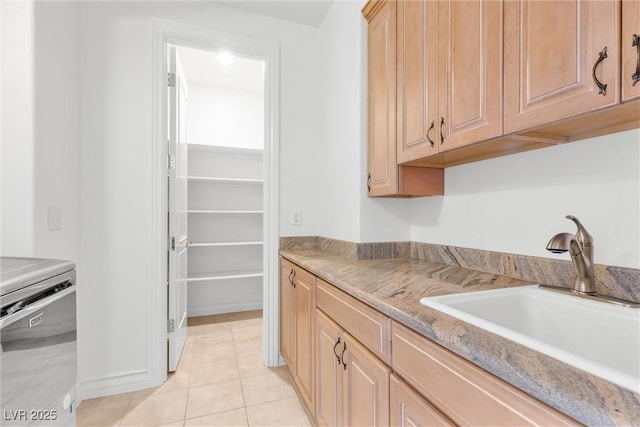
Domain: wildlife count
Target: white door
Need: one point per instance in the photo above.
(178, 243)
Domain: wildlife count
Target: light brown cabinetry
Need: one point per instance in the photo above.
(630, 47)
(408, 408)
(385, 177)
(352, 385)
(561, 58)
(467, 394)
(449, 75)
(297, 326)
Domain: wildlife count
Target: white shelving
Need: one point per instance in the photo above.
(225, 271)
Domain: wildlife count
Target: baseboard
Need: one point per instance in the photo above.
(114, 384)
(224, 308)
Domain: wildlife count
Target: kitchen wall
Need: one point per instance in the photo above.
(116, 132)
(40, 129)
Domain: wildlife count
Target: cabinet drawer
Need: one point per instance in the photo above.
(368, 326)
(466, 393)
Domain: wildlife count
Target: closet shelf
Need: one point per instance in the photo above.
(196, 245)
(203, 211)
(222, 275)
(226, 180)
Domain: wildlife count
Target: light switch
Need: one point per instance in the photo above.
(55, 218)
(296, 218)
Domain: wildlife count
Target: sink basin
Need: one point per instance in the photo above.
(599, 338)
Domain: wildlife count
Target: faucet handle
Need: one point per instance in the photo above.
(582, 235)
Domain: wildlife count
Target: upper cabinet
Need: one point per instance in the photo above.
(630, 50)
(470, 72)
(449, 75)
(561, 59)
(385, 177)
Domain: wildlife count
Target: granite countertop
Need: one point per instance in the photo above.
(394, 287)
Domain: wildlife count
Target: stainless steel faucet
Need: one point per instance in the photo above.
(580, 248)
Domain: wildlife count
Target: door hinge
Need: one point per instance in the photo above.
(171, 79)
(172, 161)
(173, 244)
(171, 326)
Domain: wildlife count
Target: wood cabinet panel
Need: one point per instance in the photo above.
(381, 148)
(370, 326)
(328, 371)
(550, 57)
(305, 308)
(409, 409)
(365, 386)
(466, 393)
(287, 320)
(630, 46)
(417, 79)
(470, 72)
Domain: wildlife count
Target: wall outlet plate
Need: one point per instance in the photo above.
(296, 218)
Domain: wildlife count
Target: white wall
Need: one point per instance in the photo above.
(40, 128)
(225, 116)
(116, 102)
(346, 211)
(515, 204)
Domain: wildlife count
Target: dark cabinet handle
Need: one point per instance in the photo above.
(292, 277)
(602, 86)
(441, 126)
(334, 351)
(635, 41)
(368, 183)
(344, 348)
(433, 123)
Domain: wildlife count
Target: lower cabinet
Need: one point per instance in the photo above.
(352, 387)
(408, 408)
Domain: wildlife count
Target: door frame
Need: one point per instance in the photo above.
(165, 33)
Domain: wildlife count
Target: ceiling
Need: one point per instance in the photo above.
(306, 12)
(202, 67)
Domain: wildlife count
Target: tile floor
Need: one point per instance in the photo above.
(220, 381)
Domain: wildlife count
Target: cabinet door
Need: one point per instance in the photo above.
(417, 79)
(470, 63)
(552, 59)
(328, 371)
(287, 318)
(365, 387)
(305, 303)
(630, 50)
(381, 155)
(407, 408)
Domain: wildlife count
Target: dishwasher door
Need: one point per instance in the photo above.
(38, 356)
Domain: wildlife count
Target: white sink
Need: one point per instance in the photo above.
(600, 338)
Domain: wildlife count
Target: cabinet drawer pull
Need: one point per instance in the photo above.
(441, 126)
(433, 123)
(635, 41)
(368, 182)
(338, 361)
(602, 86)
(292, 277)
(344, 348)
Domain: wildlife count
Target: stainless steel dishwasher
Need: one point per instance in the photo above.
(38, 344)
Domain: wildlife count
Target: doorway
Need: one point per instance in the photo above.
(268, 55)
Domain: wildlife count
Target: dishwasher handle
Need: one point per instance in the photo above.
(39, 305)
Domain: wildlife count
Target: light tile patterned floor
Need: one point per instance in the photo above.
(220, 381)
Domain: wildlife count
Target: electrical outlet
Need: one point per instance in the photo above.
(296, 218)
(54, 218)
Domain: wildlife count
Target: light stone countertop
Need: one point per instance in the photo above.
(395, 286)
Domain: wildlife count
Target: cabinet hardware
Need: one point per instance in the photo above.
(441, 126)
(338, 361)
(369, 183)
(291, 277)
(344, 348)
(433, 123)
(635, 41)
(602, 86)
